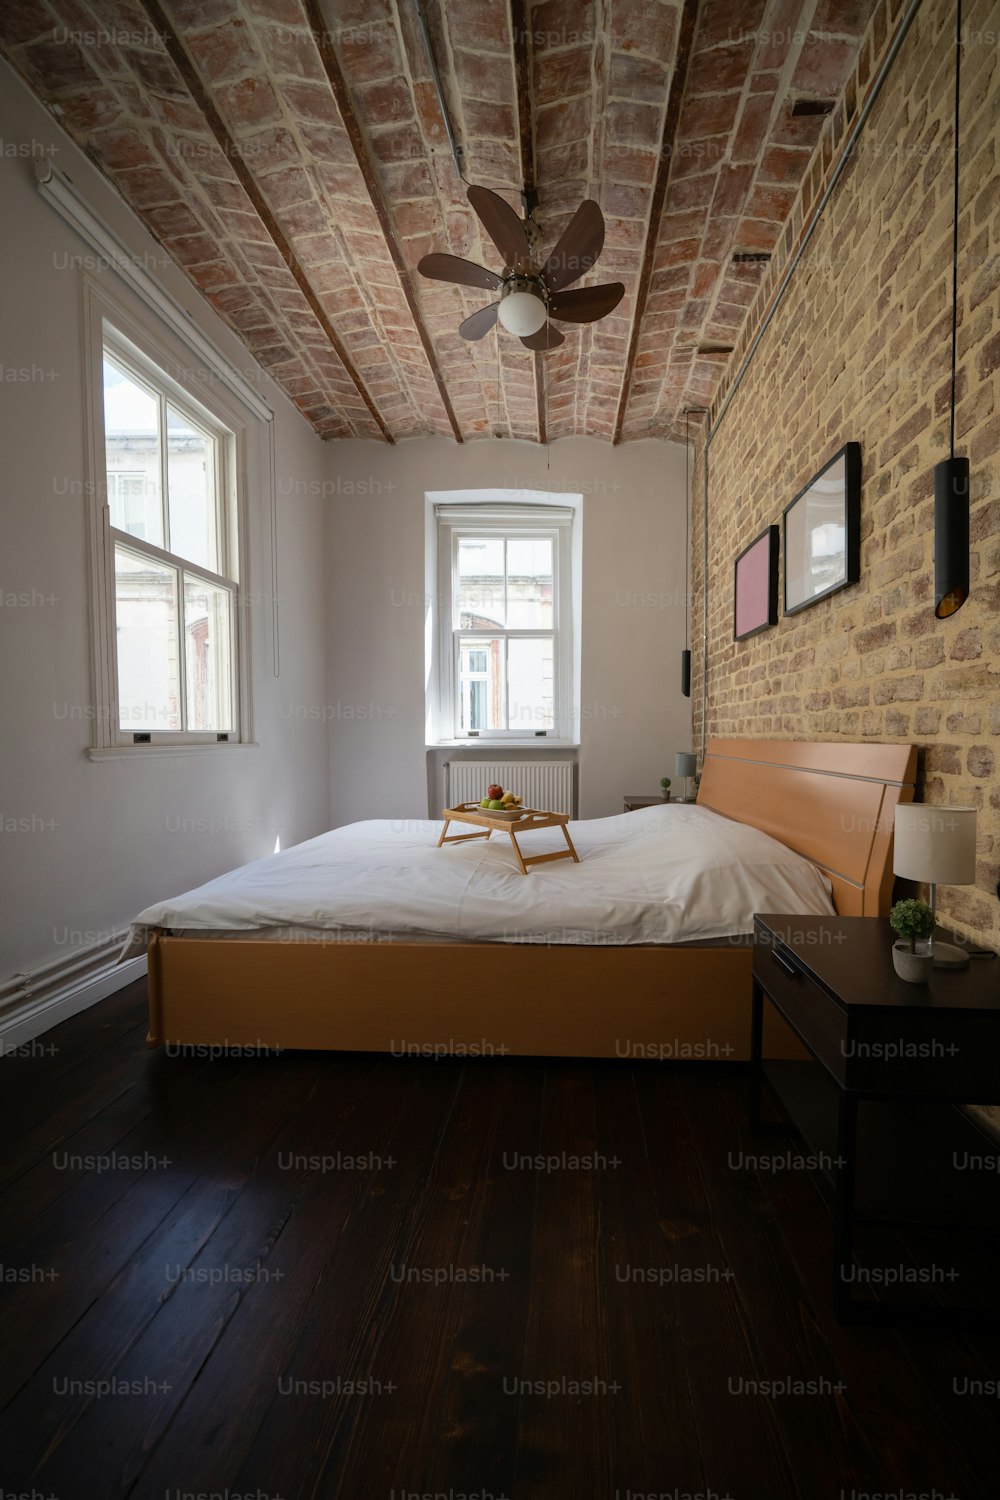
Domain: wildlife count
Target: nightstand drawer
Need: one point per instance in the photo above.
(937, 1055)
(819, 1021)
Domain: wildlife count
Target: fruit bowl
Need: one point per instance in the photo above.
(505, 815)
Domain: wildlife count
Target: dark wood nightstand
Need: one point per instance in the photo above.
(888, 1062)
(634, 801)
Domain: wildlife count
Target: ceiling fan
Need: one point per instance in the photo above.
(530, 295)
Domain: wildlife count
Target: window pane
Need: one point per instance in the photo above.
(480, 583)
(207, 655)
(127, 500)
(481, 692)
(529, 583)
(191, 488)
(146, 611)
(476, 709)
(132, 449)
(530, 695)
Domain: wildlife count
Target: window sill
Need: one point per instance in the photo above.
(500, 745)
(144, 752)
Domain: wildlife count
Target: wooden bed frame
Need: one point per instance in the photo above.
(833, 803)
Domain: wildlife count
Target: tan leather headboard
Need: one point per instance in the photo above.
(832, 802)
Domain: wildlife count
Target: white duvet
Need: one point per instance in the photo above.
(660, 875)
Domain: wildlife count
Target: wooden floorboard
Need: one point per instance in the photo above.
(46, 1066)
(187, 1286)
(716, 1339)
(565, 1348)
(444, 1332)
(348, 1275)
(657, 1437)
(885, 1408)
(57, 1110)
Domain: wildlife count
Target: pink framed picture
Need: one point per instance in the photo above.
(755, 595)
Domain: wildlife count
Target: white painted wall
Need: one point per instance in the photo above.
(633, 716)
(115, 844)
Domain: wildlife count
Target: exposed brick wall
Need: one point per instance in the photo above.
(859, 349)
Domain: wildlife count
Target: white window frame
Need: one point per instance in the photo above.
(155, 361)
(511, 521)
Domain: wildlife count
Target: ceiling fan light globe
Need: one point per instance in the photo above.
(522, 313)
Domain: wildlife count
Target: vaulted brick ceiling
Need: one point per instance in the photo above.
(293, 160)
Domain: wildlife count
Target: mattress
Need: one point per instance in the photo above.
(669, 874)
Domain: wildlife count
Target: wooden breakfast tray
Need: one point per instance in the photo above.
(495, 822)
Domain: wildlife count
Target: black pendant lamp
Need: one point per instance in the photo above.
(686, 653)
(951, 475)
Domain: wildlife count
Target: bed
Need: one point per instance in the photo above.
(341, 944)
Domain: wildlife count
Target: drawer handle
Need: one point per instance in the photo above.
(785, 963)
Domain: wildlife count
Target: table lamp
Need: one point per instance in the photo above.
(937, 846)
(685, 764)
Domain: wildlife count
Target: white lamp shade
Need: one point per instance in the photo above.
(685, 764)
(522, 313)
(935, 845)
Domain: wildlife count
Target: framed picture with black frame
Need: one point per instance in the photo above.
(755, 586)
(822, 532)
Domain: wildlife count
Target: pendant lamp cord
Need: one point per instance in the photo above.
(954, 243)
(545, 407)
(687, 531)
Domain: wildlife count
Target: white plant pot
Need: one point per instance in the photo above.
(915, 968)
(665, 796)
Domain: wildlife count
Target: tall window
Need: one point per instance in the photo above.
(506, 652)
(173, 541)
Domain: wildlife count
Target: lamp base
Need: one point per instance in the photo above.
(947, 956)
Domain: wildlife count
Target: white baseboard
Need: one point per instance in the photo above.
(41, 1000)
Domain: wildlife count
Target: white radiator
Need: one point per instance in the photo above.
(543, 784)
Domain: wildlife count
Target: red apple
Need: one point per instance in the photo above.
(495, 791)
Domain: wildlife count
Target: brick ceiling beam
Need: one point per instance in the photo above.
(678, 83)
(342, 96)
(520, 42)
(215, 122)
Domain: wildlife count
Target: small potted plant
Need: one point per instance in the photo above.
(914, 921)
(665, 787)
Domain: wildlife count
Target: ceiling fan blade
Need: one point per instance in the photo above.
(586, 303)
(454, 268)
(479, 324)
(547, 337)
(579, 246)
(501, 224)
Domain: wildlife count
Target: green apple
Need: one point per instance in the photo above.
(485, 802)
(496, 806)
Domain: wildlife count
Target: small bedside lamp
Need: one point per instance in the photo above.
(937, 846)
(685, 764)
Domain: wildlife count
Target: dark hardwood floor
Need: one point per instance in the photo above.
(359, 1276)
